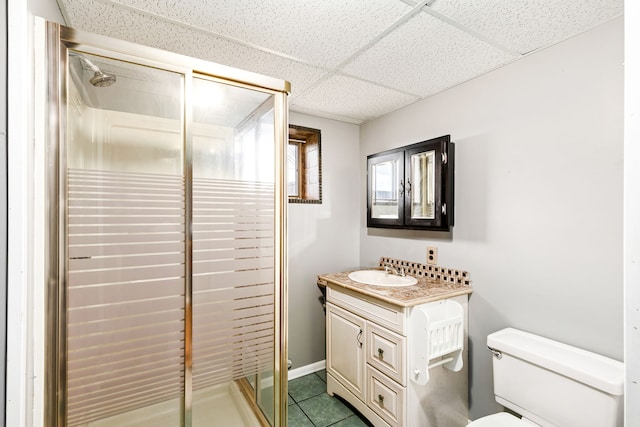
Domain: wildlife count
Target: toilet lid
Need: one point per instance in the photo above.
(501, 419)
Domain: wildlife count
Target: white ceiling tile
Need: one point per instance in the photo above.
(425, 56)
(349, 97)
(527, 25)
(322, 32)
(124, 24)
(303, 41)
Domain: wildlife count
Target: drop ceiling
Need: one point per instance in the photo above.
(350, 60)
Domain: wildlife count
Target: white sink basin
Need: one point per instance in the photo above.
(381, 278)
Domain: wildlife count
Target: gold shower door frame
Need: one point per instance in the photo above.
(58, 39)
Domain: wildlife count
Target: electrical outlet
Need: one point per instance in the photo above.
(432, 255)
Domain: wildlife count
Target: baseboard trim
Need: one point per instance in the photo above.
(306, 370)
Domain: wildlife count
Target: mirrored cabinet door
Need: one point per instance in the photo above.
(386, 179)
(429, 184)
(421, 186)
(412, 186)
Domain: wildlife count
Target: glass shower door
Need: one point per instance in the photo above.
(233, 246)
(126, 237)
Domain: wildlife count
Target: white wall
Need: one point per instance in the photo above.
(47, 9)
(24, 381)
(3, 199)
(323, 238)
(539, 156)
(632, 213)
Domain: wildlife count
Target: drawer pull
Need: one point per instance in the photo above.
(381, 399)
(380, 353)
(358, 338)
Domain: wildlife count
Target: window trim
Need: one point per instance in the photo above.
(308, 140)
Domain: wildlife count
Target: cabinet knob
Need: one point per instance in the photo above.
(381, 399)
(380, 353)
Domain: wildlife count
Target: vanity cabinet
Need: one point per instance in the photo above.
(358, 352)
(345, 350)
(412, 186)
(369, 364)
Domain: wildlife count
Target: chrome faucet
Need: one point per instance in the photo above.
(389, 269)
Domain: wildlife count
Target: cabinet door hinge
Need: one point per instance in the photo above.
(444, 158)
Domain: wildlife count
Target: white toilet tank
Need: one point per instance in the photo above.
(554, 384)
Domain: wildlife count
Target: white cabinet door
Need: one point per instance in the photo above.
(345, 349)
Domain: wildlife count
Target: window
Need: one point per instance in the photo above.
(304, 169)
(293, 171)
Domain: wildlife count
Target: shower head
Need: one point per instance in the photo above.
(99, 78)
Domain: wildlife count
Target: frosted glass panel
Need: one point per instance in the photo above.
(233, 236)
(125, 240)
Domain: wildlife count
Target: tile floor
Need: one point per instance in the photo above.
(311, 406)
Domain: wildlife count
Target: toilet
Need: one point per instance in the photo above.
(549, 383)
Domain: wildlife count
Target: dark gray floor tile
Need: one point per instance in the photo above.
(322, 374)
(297, 418)
(290, 400)
(324, 410)
(305, 387)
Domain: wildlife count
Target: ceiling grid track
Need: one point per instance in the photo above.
(477, 35)
(337, 70)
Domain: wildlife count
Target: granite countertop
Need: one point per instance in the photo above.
(426, 290)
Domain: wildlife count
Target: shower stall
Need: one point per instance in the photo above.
(166, 260)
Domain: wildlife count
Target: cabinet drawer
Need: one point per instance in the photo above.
(378, 311)
(385, 351)
(385, 397)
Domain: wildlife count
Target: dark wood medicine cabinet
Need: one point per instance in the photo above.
(412, 186)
